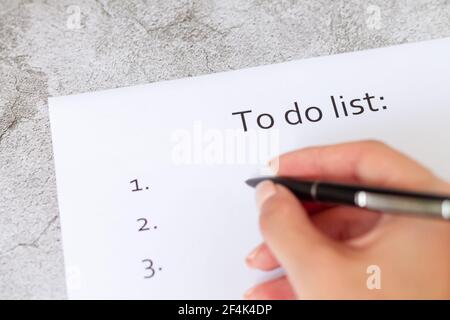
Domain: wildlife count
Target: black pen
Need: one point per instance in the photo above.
(377, 199)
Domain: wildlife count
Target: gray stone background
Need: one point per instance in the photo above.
(121, 43)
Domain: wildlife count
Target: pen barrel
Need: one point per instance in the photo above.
(371, 198)
(300, 190)
(378, 199)
(326, 192)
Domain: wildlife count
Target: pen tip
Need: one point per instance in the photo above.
(253, 182)
(249, 182)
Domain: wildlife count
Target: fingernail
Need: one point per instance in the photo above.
(252, 256)
(250, 294)
(264, 191)
(267, 170)
(274, 165)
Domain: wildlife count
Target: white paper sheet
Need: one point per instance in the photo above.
(180, 139)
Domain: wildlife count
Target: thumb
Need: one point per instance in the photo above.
(296, 243)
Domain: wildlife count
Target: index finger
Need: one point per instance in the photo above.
(368, 162)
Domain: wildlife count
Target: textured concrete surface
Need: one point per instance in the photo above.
(120, 43)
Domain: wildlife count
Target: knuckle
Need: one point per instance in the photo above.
(375, 144)
(374, 152)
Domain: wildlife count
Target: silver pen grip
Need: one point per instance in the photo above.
(395, 203)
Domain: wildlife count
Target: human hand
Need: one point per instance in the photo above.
(326, 251)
